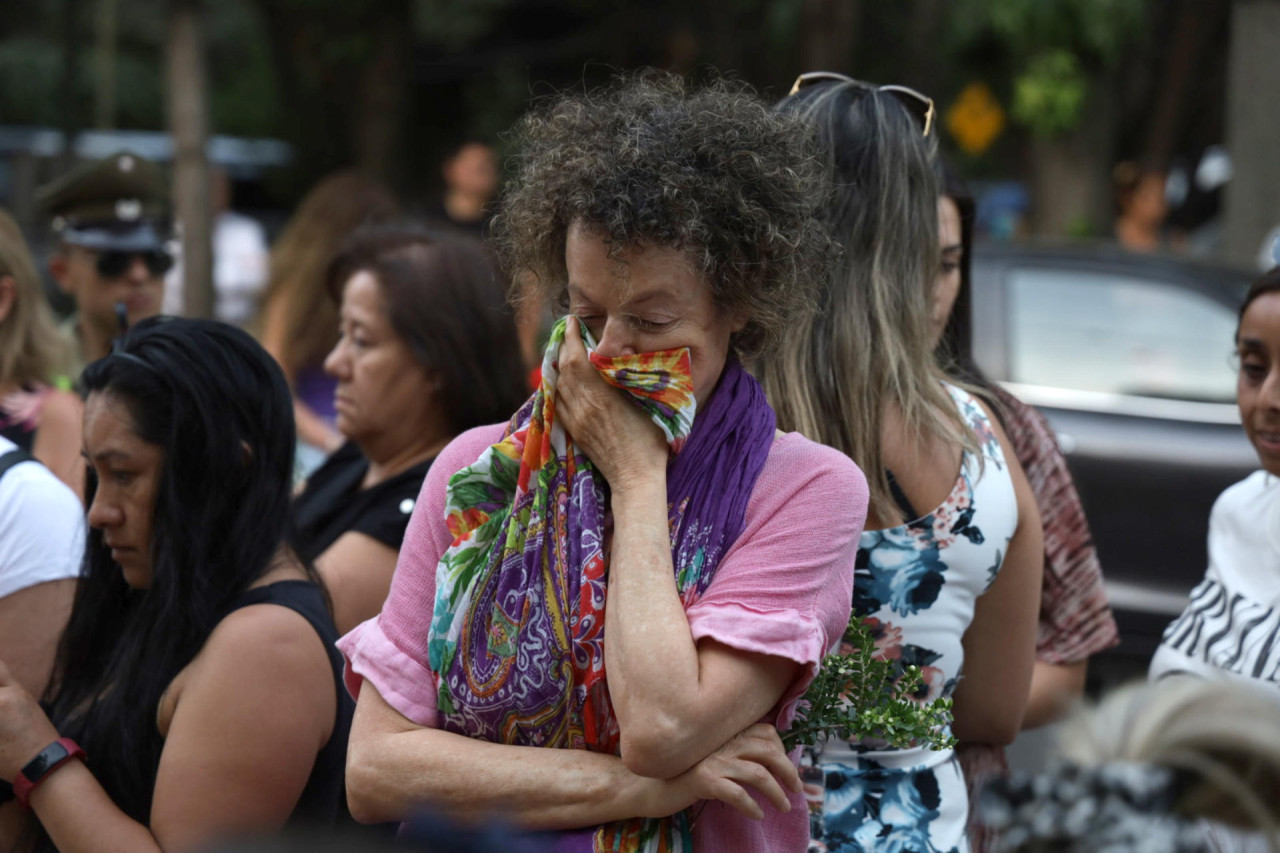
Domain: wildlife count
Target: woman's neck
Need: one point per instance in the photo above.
(284, 566)
(386, 462)
(464, 207)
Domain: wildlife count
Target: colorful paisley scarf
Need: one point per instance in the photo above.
(516, 643)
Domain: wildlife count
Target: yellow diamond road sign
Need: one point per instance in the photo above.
(975, 119)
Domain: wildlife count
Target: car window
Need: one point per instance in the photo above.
(1119, 334)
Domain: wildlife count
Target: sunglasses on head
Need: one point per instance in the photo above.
(113, 263)
(920, 106)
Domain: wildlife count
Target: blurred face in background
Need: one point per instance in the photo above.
(136, 279)
(384, 397)
(1147, 204)
(473, 171)
(951, 251)
(1258, 383)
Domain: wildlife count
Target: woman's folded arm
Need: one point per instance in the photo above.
(393, 765)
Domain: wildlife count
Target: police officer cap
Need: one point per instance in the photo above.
(120, 202)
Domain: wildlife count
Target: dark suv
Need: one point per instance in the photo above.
(1129, 356)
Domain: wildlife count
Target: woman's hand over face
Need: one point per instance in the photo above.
(755, 760)
(24, 728)
(616, 435)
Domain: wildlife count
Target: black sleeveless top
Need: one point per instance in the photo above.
(324, 800)
(333, 503)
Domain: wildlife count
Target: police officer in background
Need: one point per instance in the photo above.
(112, 225)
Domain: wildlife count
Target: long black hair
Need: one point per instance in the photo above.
(218, 406)
(955, 347)
(1268, 282)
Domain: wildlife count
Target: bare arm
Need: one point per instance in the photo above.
(676, 701)
(394, 764)
(57, 442)
(257, 705)
(31, 622)
(999, 646)
(311, 427)
(357, 571)
(1054, 687)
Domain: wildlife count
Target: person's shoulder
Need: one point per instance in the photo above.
(1258, 490)
(31, 490)
(466, 448)
(61, 408)
(265, 637)
(801, 464)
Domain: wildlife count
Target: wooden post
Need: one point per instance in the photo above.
(104, 84)
(1252, 203)
(189, 125)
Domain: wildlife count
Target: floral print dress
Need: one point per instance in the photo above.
(915, 586)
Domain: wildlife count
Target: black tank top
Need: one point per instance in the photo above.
(323, 801)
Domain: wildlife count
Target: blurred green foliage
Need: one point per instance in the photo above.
(301, 70)
(1056, 49)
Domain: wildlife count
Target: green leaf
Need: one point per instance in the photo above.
(859, 696)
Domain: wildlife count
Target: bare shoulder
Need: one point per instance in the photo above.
(264, 637)
(61, 409)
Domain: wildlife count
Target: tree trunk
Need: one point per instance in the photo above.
(826, 35)
(68, 112)
(1253, 89)
(379, 115)
(104, 84)
(1071, 174)
(189, 125)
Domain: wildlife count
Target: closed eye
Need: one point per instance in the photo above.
(651, 325)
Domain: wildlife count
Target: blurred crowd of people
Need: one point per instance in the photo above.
(347, 552)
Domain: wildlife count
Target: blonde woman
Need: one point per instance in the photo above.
(1184, 765)
(34, 415)
(948, 569)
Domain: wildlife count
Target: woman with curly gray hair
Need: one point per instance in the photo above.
(645, 481)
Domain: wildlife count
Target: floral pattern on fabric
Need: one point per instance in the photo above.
(517, 633)
(888, 811)
(915, 586)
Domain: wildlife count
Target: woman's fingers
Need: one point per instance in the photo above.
(767, 749)
(731, 793)
(759, 778)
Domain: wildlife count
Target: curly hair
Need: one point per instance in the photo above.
(652, 161)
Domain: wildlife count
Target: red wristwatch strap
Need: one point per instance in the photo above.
(38, 769)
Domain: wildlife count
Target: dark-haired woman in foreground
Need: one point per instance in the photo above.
(426, 350)
(197, 672)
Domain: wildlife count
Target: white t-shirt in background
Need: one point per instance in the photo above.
(1232, 625)
(41, 527)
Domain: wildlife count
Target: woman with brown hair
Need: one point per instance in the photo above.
(300, 322)
(426, 350)
(38, 418)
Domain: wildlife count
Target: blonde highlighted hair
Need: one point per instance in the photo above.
(868, 345)
(334, 209)
(31, 349)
